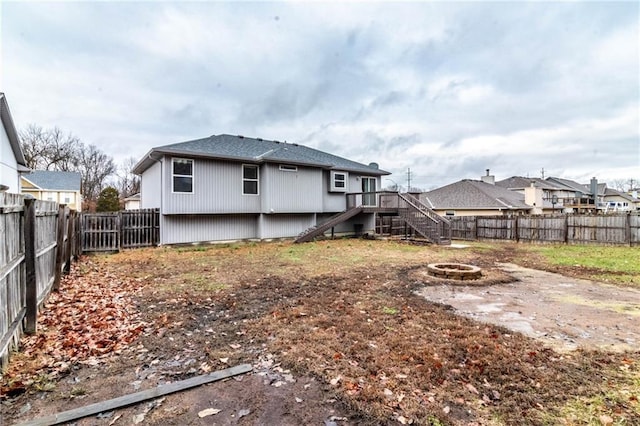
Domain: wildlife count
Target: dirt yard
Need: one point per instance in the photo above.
(339, 333)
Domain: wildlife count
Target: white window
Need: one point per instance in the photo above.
(288, 168)
(249, 179)
(339, 181)
(182, 175)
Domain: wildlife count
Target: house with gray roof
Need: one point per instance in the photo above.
(475, 198)
(49, 185)
(226, 187)
(12, 161)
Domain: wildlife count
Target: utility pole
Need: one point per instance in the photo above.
(542, 172)
(408, 179)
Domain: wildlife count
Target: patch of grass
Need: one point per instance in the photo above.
(44, 383)
(199, 282)
(614, 259)
(389, 311)
(617, 265)
(78, 391)
(618, 401)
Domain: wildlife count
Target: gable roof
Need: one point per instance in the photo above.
(10, 129)
(570, 185)
(256, 150)
(54, 180)
(519, 183)
(610, 192)
(474, 195)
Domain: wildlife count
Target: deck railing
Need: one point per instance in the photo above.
(418, 216)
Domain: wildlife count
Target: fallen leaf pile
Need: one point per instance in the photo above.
(91, 316)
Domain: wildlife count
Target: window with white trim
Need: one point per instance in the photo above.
(182, 175)
(250, 179)
(338, 181)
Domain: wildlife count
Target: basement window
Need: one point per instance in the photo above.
(249, 179)
(338, 181)
(182, 175)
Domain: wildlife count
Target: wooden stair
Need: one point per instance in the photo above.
(424, 221)
(318, 230)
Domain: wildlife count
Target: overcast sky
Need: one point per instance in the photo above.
(445, 89)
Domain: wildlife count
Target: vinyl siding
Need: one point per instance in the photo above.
(150, 187)
(285, 225)
(8, 165)
(205, 228)
(332, 202)
(217, 188)
(291, 192)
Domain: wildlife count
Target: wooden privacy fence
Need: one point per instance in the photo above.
(615, 229)
(110, 232)
(40, 240)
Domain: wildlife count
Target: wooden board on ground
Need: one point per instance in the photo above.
(134, 398)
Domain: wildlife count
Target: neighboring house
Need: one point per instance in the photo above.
(12, 162)
(61, 187)
(553, 194)
(616, 201)
(228, 187)
(132, 202)
(579, 198)
(475, 198)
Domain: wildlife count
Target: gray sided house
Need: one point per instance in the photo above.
(12, 161)
(225, 187)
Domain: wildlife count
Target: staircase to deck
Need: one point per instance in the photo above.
(421, 219)
(318, 230)
(424, 221)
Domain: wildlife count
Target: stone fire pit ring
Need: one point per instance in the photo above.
(454, 271)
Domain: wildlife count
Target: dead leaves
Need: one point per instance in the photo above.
(92, 315)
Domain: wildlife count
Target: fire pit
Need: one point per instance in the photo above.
(454, 271)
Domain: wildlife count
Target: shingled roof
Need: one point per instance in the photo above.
(519, 183)
(474, 195)
(54, 180)
(256, 150)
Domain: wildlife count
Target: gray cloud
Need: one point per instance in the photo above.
(447, 90)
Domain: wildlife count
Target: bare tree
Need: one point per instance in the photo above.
(49, 149)
(624, 185)
(128, 183)
(52, 149)
(95, 167)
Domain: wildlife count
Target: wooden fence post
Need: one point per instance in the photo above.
(628, 228)
(59, 247)
(475, 229)
(31, 289)
(566, 228)
(515, 228)
(67, 261)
